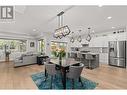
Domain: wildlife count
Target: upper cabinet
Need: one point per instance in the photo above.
(99, 42)
(75, 44)
(102, 41)
(118, 37)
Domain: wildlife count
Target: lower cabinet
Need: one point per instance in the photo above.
(103, 58)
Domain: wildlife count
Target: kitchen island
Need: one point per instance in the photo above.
(90, 60)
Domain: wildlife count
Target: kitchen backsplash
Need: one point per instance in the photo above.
(95, 49)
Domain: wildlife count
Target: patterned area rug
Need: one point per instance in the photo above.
(57, 82)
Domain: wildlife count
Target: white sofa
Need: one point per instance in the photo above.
(25, 60)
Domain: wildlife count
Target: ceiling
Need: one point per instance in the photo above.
(36, 20)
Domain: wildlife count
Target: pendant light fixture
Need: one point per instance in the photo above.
(79, 39)
(62, 30)
(88, 38)
(72, 38)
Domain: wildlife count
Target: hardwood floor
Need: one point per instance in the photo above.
(108, 77)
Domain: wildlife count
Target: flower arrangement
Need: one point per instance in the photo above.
(59, 53)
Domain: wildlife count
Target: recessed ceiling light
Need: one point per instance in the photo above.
(34, 29)
(109, 17)
(100, 5)
(113, 27)
(93, 31)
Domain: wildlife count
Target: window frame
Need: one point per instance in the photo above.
(39, 48)
(12, 50)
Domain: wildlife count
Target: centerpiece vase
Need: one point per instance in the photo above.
(60, 59)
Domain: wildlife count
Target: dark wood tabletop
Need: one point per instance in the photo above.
(64, 62)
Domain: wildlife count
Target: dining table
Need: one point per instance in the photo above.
(64, 66)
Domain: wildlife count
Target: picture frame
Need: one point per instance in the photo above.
(31, 44)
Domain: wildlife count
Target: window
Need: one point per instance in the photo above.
(55, 46)
(13, 45)
(22, 46)
(41, 45)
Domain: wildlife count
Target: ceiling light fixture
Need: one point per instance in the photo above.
(93, 31)
(88, 38)
(79, 37)
(61, 31)
(109, 17)
(113, 27)
(100, 5)
(72, 38)
(34, 30)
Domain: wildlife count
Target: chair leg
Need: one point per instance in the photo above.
(80, 81)
(46, 77)
(89, 64)
(51, 82)
(73, 84)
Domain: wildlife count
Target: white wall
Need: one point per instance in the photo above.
(33, 49)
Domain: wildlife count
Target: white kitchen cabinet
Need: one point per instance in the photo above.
(76, 44)
(102, 41)
(103, 58)
(99, 42)
(84, 41)
(118, 37)
(94, 42)
(105, 41)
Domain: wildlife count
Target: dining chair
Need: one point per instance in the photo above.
(69, 61)
(89, 57)
(47, 61)
(50, 70)
(79, 57)
(75, 73)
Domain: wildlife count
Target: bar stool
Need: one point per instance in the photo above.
(89, 57)
(79, 56)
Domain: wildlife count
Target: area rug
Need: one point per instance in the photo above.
(40, 82)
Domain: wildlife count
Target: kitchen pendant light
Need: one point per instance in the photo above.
(79, 39)
(72, 38)
(88, 38)
(61, 31)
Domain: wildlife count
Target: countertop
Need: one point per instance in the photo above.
(89, 53)
(85, 52)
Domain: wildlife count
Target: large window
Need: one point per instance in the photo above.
(41, 45)
(55, 46)
(13, 45)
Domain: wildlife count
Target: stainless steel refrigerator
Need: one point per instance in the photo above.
(117, 53)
